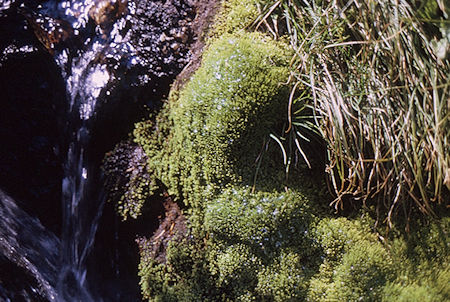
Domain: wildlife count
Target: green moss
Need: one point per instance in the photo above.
(259, 244)
(430, 287)
(272, 246)
(422, 260)
(363, 273)
(210, 146)
(337, 235)
(283, 280)
(236, 269)
(258, 248)
(355, 264)
(235, 15)
(183, 277)
(213, 132)
(267, 222)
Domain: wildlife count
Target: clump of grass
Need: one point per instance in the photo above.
(376, 74)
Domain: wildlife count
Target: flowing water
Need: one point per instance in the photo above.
(86, 78)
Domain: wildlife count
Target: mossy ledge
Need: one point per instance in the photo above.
(252, 235)
(214, 132)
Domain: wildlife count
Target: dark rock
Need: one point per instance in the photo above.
(28, 255)
(128, 183)
(31, 95)
(155, 19)
(172, 227)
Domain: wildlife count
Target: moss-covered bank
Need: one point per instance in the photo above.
(214, 133)
(279, 247)
(256, 232)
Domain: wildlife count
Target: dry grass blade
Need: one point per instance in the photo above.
(381, 97)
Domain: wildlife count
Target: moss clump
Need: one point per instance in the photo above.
(267, 222)
(432, 286)
(259, 243)
(258, 248)
(362, 274)
(355, 264)
(127, 181)
(212, 133)
(422, 260)
(235, 15)
(184, 276)
(284, 279)
(272, 246)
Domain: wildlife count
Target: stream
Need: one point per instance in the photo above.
(113, 59)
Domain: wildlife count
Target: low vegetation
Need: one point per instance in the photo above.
(279, 247)
(211, 133)
(368, 81)
(376, 77)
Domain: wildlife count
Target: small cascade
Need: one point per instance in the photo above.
(86, 77)
(81, 209)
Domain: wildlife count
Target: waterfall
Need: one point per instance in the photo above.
(86, 77)
(81, 210)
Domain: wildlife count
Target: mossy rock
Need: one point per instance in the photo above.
(184, 275)
(214, 130)
(432, 286)
(127, 182)
(422, 261)
(264, 221)
(235, 15)
(260, 246)
(362, 274)
(355, 266)
(276, 246)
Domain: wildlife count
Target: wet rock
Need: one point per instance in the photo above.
(32, 95)
(172, 227)
(128, 183)
(28, 255)
(106, 12)
(50, 32)
(196, 31)
(155, 24)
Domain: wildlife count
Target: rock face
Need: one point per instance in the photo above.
(28, 255)
(128, 183)
(162, 32)
(32, 93)
(158, 35)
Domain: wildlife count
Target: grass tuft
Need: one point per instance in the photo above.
(376, 76)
